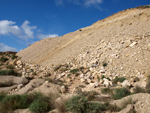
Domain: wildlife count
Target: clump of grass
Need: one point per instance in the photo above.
(118, 79)
(38, 106)
(2, 96)
(12, 102)
(39, 103)
(90, 95)
(9, 72)
(3, 59)
(138, 89)
(106, 91)
(77, 104)
(112, 108)
(13, 56)
(120, 93)
(74, 71)
(80, 104)
(103, 77)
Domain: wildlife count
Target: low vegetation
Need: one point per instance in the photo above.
(36, 102)
(74, 71)
(120, 93)
(9, 72)
(107, 91)
(3, 59)
(118, 79)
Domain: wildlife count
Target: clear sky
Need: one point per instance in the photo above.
(23, 22)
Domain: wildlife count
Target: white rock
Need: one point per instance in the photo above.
(96, 84)
(92, 85)
(106, 82)
(89, 81)
(19, 62)
(126, 83)
(63, 89)
(81, 76)
(82, 80)
(134, 43)
(102, 70)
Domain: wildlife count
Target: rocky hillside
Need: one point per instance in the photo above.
(122, 41)
(103, 68)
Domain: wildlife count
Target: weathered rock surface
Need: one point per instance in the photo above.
(13, 80)
(141, 102)
(30, 86)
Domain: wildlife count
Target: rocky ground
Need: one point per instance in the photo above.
(111, 54)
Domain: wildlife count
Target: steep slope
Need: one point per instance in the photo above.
(122, 39)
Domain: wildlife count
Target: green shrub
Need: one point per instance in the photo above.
(2, 96)
(80, 104)
(13, 57)
(103, 77)
(3, 59)
(12, 102)
(106, 91)
(37, 102)
(95, 108)
(118, 79)
(120, 93)
(9, 72)
(91, 95)
(74, 71)
(138, 89)
(77, 104)
(38, 106)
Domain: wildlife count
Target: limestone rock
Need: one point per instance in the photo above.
(107, 83)
(126, 83)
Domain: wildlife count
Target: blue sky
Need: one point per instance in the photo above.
(23, 22)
